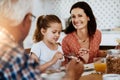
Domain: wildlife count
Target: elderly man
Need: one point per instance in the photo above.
(15, 22)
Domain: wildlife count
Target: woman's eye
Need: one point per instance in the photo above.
(72, 16)
(79, 15)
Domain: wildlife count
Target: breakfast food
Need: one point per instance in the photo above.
(113, 64)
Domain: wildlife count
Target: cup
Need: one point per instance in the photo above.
(111, 77)
(100, 65)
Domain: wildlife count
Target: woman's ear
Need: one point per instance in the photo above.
(88, 19)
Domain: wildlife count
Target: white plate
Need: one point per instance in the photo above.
(88, 67)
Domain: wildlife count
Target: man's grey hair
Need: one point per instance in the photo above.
(14, 10)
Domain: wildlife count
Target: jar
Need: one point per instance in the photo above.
(113, 61)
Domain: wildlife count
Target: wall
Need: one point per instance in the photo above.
(106, 12)
(38, 9)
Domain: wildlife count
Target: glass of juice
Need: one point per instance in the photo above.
(100, 64)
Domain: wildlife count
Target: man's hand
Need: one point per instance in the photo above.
(74, 70)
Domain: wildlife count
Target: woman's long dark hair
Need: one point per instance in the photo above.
(91, 24)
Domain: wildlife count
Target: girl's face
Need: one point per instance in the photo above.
(52, 33)
(79, 18)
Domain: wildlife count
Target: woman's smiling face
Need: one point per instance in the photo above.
(79, 18)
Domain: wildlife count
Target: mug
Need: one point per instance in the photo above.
(111, 77)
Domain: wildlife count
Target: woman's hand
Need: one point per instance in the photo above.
(83, 54)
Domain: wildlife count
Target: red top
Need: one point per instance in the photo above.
(70, 44)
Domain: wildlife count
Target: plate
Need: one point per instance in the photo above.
(53, 76)
(62, 68)
(89, 67)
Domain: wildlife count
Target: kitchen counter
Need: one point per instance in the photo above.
(109, 38)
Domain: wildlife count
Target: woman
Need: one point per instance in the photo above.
(83, 38)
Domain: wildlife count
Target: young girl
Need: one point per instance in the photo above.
(46, 50)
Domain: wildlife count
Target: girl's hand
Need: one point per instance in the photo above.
(84, 54)
(57, 57)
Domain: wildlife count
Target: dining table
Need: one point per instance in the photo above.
(91, 76)
(88, 74)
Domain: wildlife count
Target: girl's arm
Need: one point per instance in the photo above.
(32, 55)
(55, 58)
(44, 66)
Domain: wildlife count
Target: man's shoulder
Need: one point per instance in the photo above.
(19, 65)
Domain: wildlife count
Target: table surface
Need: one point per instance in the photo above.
(88, 74)
(58, 76)
(93, 76)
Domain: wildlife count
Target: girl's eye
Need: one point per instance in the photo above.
(59, 32)
(54, 32)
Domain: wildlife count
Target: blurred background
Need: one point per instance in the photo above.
(107, 15)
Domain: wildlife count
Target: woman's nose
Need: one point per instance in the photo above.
(76, 19)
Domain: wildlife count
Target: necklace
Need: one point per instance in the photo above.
(83, 41)
(80, 40)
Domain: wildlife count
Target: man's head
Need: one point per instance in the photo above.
(15, 10)
(15, 15)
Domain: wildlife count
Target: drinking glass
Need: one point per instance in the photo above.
(100, 64)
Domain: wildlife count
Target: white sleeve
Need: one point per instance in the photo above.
(36, 49)
(60, 49)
